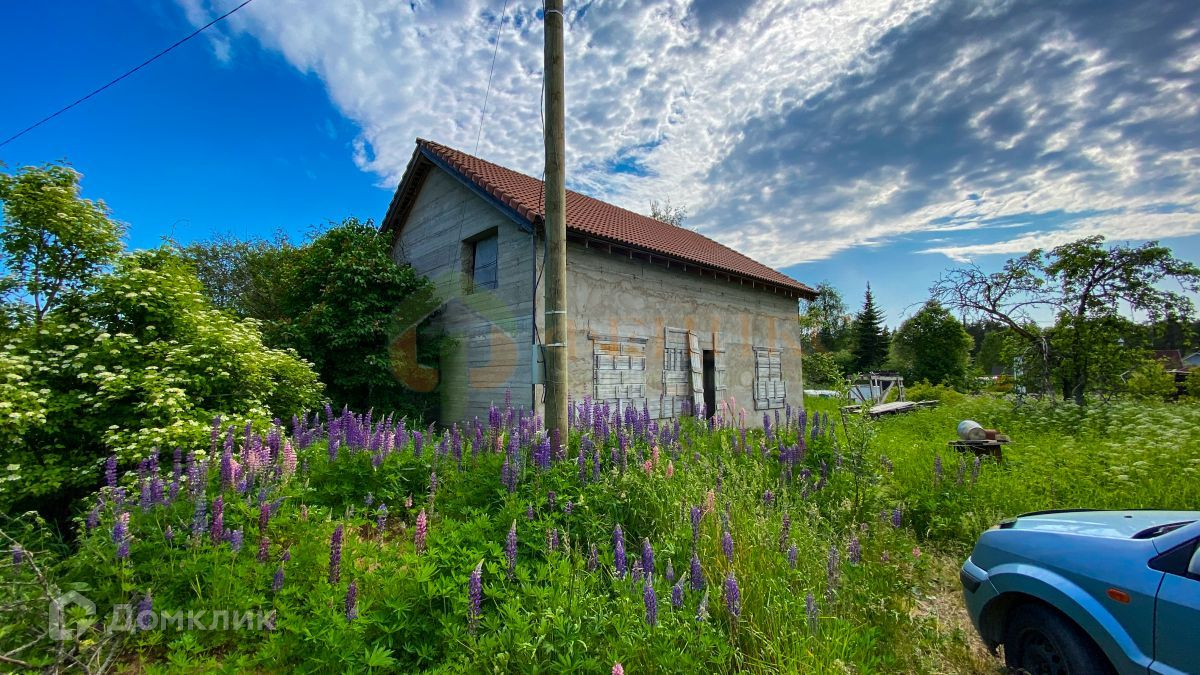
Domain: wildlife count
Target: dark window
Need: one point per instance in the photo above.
(484, 265)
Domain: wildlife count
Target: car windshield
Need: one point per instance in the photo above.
(1159, 530)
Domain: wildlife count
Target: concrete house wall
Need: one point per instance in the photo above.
(615, 296)
(623, 310)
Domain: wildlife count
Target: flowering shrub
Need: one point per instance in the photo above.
(141, 363)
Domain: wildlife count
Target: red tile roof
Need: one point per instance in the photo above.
(591, 217)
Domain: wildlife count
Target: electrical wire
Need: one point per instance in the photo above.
(127, 73)
(487, 92)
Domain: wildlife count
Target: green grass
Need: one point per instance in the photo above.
(895, 610)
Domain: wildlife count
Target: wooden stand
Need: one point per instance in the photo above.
(981, 448)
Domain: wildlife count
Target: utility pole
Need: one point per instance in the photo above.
(556, 229)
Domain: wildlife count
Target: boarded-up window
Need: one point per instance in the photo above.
(769, 388)
(677, 372)
(619, 370)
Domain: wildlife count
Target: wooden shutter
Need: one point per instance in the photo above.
(696, 363)
(619, 370)
(770, 389)
(720, 377)
(677, 371)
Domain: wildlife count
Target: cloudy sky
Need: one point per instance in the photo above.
(848, 140)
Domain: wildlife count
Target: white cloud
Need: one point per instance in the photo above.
(648, 80)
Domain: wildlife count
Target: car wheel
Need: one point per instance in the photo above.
(1040, 641)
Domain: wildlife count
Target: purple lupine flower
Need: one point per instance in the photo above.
(335, 555)
(619, 552)
(670, 572)
(962, 472)
(18, 555)
(169, 533)
(733, 596)
(677, 594)
(647, 557)
(768, 498)
(510, 549)
(217, 528)
(695, 515)
(695, 573)
(200, 518)
(651, 601)
(422, 531)
(120, 535)
(785, 531)
(854, 551)
(144, 618)
(93, 518)
(264, 549)
(832, 565)
(475, 596)
(552, 539)
(791, 555)
(110, 471)
(568, 507)
(277, 582)
(636, 570)
(236, 539)
(810, 609)
(727, 545)
(896, 517)
(593, 560)
(529, 514)
(551, 498)
(595, 464)
(381, 518)
(937, 468)
(352, 601)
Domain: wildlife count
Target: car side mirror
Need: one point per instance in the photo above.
(1194, 566)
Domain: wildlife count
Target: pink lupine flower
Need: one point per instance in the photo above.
(670, 469)
(422, 531)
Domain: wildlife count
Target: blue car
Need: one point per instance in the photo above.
(1089, 591)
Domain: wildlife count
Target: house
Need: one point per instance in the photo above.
(1170, 358)
(658, 315)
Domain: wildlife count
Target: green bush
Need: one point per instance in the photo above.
(142, 363)
(1150, 380)
(923, 391)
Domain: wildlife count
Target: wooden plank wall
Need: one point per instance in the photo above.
(492, 327)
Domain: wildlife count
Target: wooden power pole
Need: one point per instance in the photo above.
(556, 229)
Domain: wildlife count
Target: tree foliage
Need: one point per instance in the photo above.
(825, 321)
(141, 364)
(870, 336)
(341, 302)
(53, 241)
(1085, 285)
(933, 346)
(668, 213)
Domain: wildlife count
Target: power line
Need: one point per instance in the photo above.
(492, 69)
(145, 63)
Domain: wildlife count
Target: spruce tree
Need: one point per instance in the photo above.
(870, 337)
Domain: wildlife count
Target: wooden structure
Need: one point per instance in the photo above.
(893, 408)
(883, 383)
(987, 448)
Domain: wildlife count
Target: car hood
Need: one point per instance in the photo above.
(1111, 524)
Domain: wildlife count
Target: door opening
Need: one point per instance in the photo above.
(710, 383)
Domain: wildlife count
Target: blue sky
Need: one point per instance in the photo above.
(849, 140)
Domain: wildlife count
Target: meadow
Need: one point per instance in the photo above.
(817, 544)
